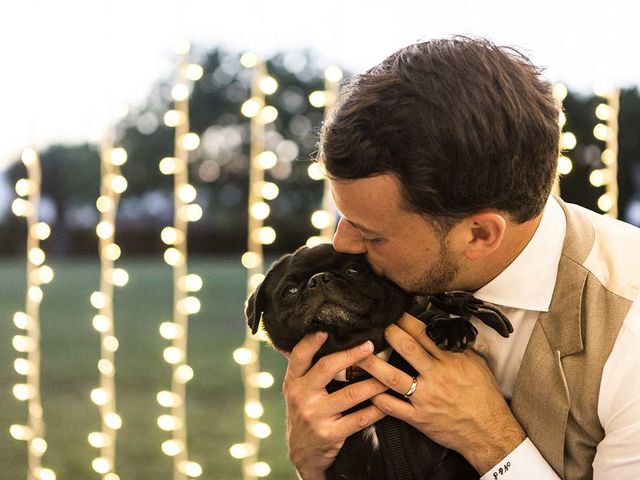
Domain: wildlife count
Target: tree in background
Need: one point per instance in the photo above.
(219, 166)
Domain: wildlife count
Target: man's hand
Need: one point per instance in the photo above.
(457, 402)
(316, 430)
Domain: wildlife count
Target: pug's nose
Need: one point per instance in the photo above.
(319, 279)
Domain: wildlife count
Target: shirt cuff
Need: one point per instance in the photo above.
(524, 463)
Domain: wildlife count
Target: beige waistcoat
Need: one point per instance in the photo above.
(556, 393)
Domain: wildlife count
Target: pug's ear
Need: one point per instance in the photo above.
(255, 307)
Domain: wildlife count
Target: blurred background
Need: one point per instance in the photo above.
(70, 67)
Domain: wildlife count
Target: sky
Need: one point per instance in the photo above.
(67, 64)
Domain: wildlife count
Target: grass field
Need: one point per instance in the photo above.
(70, 352)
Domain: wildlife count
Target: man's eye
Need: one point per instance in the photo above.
(290, 292)
(352, 272)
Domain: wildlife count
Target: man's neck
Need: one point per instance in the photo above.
(515, 239)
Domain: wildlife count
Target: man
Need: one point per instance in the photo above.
(441, 162)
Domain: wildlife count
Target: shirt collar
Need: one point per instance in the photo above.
(528, 282)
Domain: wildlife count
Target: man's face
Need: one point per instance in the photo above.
(400, 245)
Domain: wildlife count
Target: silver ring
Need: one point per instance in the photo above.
(412, 388)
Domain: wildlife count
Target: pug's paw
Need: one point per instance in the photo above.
(452, 334)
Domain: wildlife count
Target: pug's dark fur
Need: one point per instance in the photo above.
(319, 289)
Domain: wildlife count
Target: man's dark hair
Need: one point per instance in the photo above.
(464, 125)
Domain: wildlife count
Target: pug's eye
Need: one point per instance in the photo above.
(352, 272)
(290, 292)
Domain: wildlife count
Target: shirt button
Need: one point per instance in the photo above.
(482, 348)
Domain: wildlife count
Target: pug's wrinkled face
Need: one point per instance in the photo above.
(319, 289)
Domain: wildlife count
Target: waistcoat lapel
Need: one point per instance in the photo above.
(541, 398)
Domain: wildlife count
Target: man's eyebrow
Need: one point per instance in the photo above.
(362, 228)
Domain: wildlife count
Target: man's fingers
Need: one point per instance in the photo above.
(418, 330)
(356, 421)
(302, 354)
(390, 405)
(328, 366)
(387, 374)
(351, 395)
(410, 349)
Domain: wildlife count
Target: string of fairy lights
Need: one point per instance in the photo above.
(607, 132)
(325, 219)
(184, 283)
(27, 344)
(113, 184)
(248, 356)
(568, 140)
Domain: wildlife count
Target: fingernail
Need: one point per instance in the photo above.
(321, 335)
(367, 346)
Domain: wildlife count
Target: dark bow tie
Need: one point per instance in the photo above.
(465, 305)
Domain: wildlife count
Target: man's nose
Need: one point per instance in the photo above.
(348, 239)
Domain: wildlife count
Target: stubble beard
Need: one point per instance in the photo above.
(438, 278)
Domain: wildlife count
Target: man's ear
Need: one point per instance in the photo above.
(485, 233)
(254, 307)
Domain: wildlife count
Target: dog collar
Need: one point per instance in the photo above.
(352, 373)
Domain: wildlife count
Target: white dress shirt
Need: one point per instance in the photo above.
(523, 290)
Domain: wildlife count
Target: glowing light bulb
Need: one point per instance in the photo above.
(99, 396)
(244, 356)
(249, 60)
(251, 260)
(179, 92)
(255, 280)
(106, 367)
(21, 432)
(29, 156)
(110, 343)
(189, 305)
(112, 252)
(320, 219)
(21, 207)
(241, 450)
(101, 465)
(266, 235)
(190, 141)
(41, 231)
(35, 294)
(118, 156)
(193, 212)
(171, 330)
(168, 399)
(169, 423)
(113, 421)
(269, 114)
(36, 256)
(260, 210)
(194, 72)
(98, 300)
(173, 257)
(333, 73)
(97, 439)
(23, 344)
(608, 157)
(21, 320)
(22, 366)
(603, 112)
(23, 391)
(187, 193)
(597, 178)
(269, 190)
(250, 108)
(568, 141)
(190, 469)
(313, 241)
(266, 160)
(268, 85)
(605, 203)
(184, 373)
(318, 98)
(190, 283)
(559, 91)
(46, 474)
(119, 184)
(38, 446)
(102, 323)
(173, 355)
(260, 469)
(171, 165)
(119, 277)
(565, 165)
(254, 409)
(105, 230)
(601, 132)
(171, 235)
(23, 187)
(172, 447)
(264, 380)
(315, 171)
(173, 118)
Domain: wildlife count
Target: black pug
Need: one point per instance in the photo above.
(319, 289)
